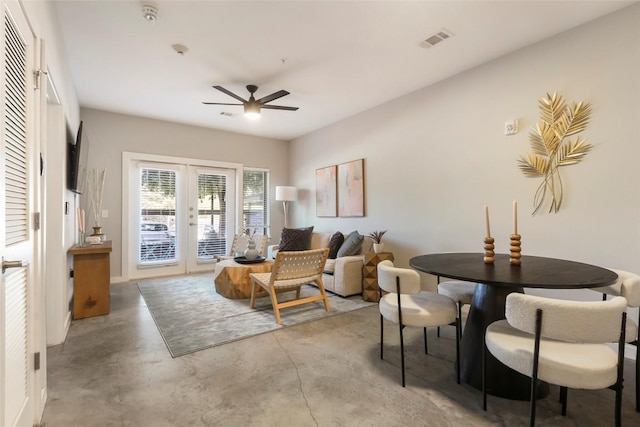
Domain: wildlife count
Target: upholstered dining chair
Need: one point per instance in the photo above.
(562, 342)
(406, 304)
(290, 271)
(459, 291)
(628, 286)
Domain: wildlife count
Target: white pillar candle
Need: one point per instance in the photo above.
(515, 216)
(486, 218)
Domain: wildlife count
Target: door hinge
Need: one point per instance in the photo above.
(36, 77)
(36, 221)
(36, 361)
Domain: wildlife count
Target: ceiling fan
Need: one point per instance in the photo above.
(252, 106)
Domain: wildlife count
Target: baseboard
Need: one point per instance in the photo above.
(118, 279)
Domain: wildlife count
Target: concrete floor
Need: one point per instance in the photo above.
(115, 370)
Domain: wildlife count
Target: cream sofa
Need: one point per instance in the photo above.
(343, 275)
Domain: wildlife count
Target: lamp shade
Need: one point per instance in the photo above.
(286, 194)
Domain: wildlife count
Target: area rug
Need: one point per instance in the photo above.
(191, 316)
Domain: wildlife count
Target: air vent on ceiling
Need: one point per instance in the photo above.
(436, 38)
(226, 114)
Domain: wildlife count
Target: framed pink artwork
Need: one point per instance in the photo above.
(351, 188)
(326, 197)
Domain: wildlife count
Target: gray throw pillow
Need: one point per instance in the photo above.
(335, 242)
(352, 244)
(295, 239)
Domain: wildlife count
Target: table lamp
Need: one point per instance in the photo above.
(286, 194)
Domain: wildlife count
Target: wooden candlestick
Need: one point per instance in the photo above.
(489, 254)
(516, 249)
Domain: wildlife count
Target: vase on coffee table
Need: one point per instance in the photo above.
(251, 253)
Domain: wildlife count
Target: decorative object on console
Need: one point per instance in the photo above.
(351, 189)
(376, 236)
(326, 192)
(286, 194)
(295, 239)
(95, 185)
(550, 150)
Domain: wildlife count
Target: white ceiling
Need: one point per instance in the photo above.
(337, 58)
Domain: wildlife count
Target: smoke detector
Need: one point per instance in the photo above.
(436, 38)
(150, 13)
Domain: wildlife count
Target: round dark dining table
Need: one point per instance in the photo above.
(494, 282)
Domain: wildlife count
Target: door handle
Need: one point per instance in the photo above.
(13, 264)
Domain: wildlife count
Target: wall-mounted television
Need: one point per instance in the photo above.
(73, 160)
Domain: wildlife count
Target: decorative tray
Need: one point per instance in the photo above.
(244, 260)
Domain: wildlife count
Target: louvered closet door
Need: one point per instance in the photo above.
(16, 238)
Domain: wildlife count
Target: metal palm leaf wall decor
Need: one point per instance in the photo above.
(553, 149)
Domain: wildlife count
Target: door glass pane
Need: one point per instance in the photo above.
(254, 209)
(157, 216)
(212, 215)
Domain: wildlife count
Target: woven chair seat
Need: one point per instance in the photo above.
(290, 271)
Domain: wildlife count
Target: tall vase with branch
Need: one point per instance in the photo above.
(95, 185)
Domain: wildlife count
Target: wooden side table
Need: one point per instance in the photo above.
(370, 288)
(91, 280)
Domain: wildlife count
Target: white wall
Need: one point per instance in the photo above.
(433, 158)
(110, 134)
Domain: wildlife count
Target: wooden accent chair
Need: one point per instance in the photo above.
(240, 243)
(290, 271)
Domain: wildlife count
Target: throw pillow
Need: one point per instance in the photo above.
(336, 240)
(295, 239)
(352, 244)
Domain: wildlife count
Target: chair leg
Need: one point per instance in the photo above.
(276, 307)
(459, 320)
(381, 335)
(563, 400)
(401, 352)
(458, 351)
(438, 332)
(320, 286)
(484, 373)
(638, 372)
(637, 344)
(298, 292)
(426, 347)
(253, 294)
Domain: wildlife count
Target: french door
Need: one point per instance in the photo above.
(17, 198)
(182, 215)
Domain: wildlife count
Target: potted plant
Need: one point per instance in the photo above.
(376, 236)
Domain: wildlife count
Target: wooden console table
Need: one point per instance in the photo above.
(370, 288)
(91, 279)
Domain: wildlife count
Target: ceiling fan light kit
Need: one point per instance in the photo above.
(252, 106)
(252, 110)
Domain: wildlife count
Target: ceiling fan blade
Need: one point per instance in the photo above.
(278, 107)
(231, 94)
(273, 96)
(219, 103)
